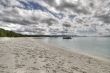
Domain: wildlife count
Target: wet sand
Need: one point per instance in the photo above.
(28, 55)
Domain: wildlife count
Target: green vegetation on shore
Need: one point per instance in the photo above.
(6, 33)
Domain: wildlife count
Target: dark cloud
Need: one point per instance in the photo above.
(18, 21)
(51, 2)
(70, 6)
(5, 3)
(104, 18)
(49, 21)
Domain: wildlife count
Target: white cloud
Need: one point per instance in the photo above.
(79, 15)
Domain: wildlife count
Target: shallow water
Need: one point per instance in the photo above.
(98, 46)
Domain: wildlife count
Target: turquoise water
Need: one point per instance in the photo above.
(98, 46)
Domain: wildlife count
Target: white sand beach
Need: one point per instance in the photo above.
(28, 55)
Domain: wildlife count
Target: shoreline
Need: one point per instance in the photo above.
(76, 52)
(29, 55)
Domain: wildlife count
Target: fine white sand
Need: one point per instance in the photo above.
(28, 55)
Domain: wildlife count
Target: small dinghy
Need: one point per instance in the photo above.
(67, 37)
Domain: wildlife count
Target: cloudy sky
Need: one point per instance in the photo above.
(86, 17)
